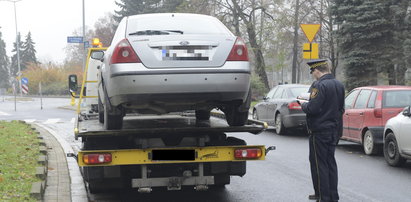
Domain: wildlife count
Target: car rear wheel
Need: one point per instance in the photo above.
(391, 151)
(234, 117)
(255, 114)
(369, 145)
(113, 118)
(100, 110)
(203, 115)
(279, 126)
(237, 115)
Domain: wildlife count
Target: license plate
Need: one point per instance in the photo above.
(173, 155)
(186, 53)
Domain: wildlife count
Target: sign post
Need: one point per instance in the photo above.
(310, 50)
(41, 96)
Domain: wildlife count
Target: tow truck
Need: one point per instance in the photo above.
(157, 151)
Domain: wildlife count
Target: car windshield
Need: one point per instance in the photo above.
(297, 91)
(179, 24)
(397, 99)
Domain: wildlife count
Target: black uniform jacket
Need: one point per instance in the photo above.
(326, 105)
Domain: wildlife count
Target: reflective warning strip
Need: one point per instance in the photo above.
(143, 156)
(24, 88)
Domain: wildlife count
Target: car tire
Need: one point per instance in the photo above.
(100, 110)
(370, 148)
(391, 151)
(279, 125)
(113, 118)
(255, 114)
(234, 117)
(203, 115)
(238, 115)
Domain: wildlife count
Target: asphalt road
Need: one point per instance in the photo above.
(283, 176)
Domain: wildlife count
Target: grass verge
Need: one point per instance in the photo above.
(19, 151)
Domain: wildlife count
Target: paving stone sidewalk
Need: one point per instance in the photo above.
(58, 178)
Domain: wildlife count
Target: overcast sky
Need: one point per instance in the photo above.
(50, 22)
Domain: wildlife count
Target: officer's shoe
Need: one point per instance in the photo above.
(313, 197)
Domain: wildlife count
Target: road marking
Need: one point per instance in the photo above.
(29, 120)
(4, 114)
(51, 121)
(72, 120)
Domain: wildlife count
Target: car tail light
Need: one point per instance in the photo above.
(247, 153)
(124, 53)
(97, 158)
(378, 112)
(294, 105)
(239, 51)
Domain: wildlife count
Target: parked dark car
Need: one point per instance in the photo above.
(367, 110)
(280, 108)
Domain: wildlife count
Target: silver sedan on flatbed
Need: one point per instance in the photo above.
(161, 63)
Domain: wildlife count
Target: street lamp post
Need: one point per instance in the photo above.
(17, 41)
(84, 37)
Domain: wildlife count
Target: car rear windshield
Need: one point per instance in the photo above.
(184, 24)
(297, 91)
(397, 99)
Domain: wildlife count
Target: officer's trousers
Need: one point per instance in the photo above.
(323, 165)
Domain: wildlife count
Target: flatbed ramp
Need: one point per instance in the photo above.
(147, 125)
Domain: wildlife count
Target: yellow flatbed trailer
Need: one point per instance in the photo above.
(152, 151)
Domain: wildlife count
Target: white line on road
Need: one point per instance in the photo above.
(51, 121)
(4, 114)
(72, 120)
(29, 120)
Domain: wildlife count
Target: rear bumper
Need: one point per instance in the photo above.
(294, 120)
(177, 89)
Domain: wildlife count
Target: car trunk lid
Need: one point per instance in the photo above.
(182, 51)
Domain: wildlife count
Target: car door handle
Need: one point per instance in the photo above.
(361, 113)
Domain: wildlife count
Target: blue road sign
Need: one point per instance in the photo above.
(87, 44)
(24, 80)
(74, 39)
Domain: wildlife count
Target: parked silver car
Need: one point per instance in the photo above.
(161, 63)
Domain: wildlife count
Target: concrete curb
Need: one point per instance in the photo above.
(70, 182)
(72, 108)
(38, 188)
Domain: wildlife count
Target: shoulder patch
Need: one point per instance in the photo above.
(314, 93)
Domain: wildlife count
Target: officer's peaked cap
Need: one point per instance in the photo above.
(315, 63)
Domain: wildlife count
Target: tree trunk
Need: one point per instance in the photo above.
(295, 41)
(252, 37)
(259, 57)
(392, 80)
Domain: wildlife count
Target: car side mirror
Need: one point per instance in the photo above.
(73, 86)
(406, 111)
(97, 55)
(265, 98)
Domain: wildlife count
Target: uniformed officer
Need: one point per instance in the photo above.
(324, 121)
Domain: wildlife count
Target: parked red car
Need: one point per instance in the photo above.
(367, 109)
